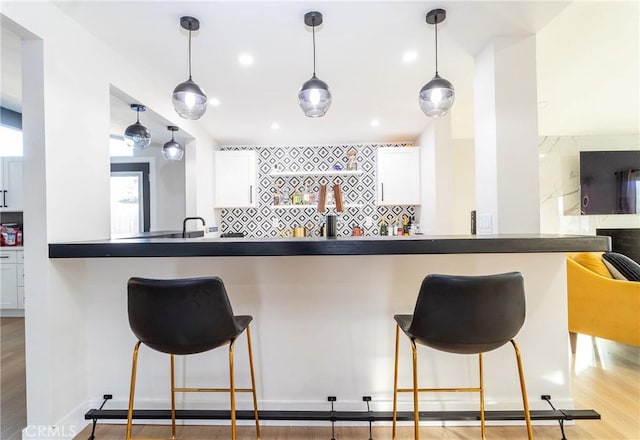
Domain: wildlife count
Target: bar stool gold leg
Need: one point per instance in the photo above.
(253, 385)
(132, 389)
(395, 385)
(232, 392)
(416, 413)
(173, 400)
(482, 429)
(523, 389)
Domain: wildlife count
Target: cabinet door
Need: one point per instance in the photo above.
(11, 179)
(235, 179)
(398, 179)
(8, 286)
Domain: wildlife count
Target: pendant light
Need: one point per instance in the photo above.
(189, 100)
(436, 97)
(172, 150)
(137, 136)
(314, 97)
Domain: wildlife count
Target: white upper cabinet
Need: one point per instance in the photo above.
(398, 176)
(11, 184)
(235, 179)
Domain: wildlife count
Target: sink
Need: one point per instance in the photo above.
(163, 234)
(190, 234)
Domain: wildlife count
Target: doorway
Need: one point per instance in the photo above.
(130, 198)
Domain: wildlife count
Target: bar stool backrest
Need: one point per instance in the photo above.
(468, 314)
(181, 316)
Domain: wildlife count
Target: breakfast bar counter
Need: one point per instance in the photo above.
(323, 317)
(369, 245)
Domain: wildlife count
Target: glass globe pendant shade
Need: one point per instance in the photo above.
(172, 150)
(137, 136)
(314, 98)
(189, 100)
(436, 97)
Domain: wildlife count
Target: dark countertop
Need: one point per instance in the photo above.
(374, 245)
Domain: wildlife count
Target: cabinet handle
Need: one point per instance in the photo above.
(4, 257)
(4, 199)
(382, 191)
(250, 193)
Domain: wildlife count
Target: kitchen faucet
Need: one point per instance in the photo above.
(184, 224)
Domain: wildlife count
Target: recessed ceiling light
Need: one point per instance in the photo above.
(275, 126)
(410, 56)
(214, 102)
(245, 59)
(375, 122)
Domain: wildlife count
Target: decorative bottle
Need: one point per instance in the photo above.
(383, 227)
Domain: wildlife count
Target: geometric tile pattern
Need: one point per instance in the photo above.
(269, 221)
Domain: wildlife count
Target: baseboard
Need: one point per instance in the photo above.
(11, 313)
(65, 429)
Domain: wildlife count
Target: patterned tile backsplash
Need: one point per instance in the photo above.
(359, 192)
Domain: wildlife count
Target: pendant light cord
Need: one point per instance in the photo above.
(436, 23)
(137, 115)
(313, 21)
(190, 51)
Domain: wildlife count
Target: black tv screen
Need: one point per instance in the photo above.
(609, 182)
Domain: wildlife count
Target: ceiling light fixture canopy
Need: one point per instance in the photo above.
(314, 97)
(137, 136)
(189, 100)
(172, 150)
(437, 96)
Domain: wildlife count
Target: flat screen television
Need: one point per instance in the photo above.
(609, 182)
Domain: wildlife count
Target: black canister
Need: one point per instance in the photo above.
(332, 226)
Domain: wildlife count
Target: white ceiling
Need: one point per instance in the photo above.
(588, 62)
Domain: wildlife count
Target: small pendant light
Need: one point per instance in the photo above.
(314, 97)
(172, 150)
(189, 100)
(137, 136)
(437, 96)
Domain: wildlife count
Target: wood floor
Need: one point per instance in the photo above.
(13, 407)
(605, 377)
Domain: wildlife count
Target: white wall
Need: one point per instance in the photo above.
(464, 184)
(435, 213)
(505, 136)
(66, 83)
(334, 337)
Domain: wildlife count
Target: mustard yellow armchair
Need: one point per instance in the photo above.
(602, 306)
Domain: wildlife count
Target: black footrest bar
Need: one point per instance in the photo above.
(341, 416)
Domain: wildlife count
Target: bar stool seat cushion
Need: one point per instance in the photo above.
(162, 318)
(466, 315)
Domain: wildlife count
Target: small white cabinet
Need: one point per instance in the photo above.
(398, 176)
(11, 279)
(235, 179)
(11, 184)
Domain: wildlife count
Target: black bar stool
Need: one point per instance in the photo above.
(465, 315)
(186, 316)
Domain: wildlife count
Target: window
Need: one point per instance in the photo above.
(10, 141)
